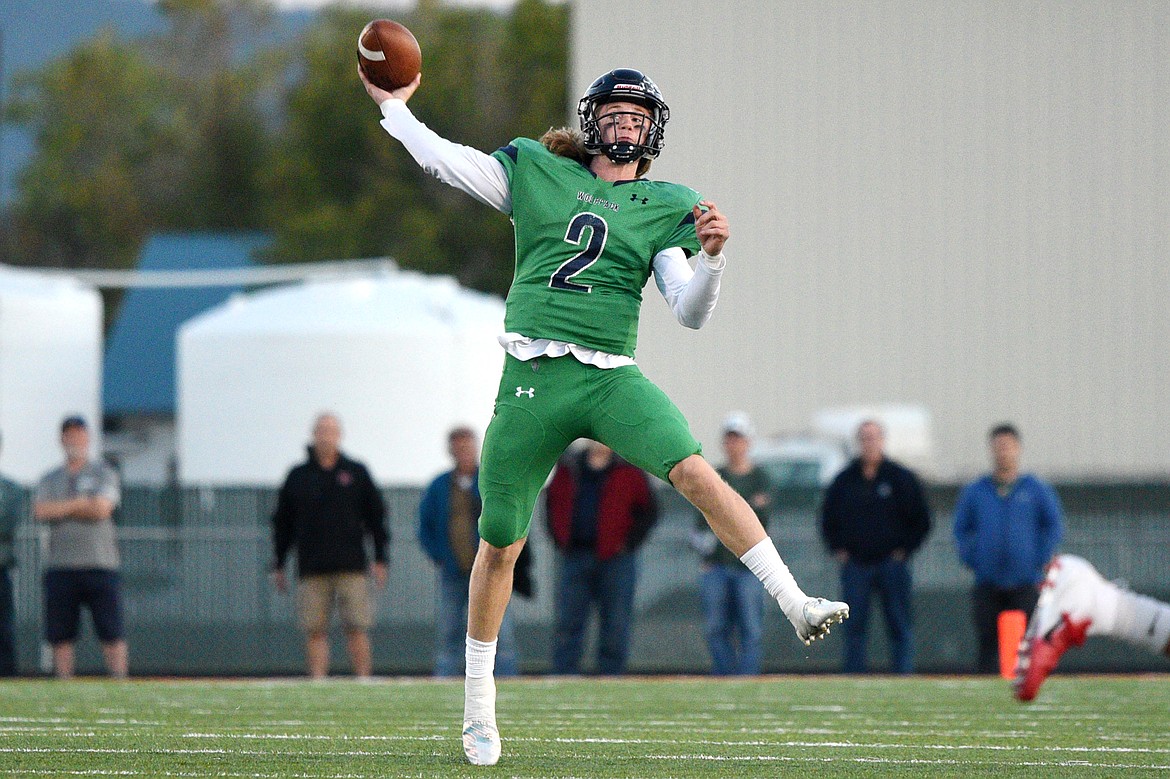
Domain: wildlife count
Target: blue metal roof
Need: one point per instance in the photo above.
(139, 374)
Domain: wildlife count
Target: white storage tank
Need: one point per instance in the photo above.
(50, 366)
(401, 357)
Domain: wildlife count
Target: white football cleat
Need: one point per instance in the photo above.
(481, 743)
(818, 615)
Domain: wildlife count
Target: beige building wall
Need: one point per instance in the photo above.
(963, 205)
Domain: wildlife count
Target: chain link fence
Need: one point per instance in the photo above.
(199, 600)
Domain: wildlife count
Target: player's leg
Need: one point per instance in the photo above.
(519, 451)
(1076, 602)
(641, 424)
(489, 590)
(527, 434)
(737, 526)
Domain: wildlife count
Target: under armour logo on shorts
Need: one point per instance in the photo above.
(530, 392)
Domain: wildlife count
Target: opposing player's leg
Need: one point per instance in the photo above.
(520, 447)
(641, 424)
(1077, 602)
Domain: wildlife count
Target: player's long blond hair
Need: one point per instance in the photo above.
(567, 142)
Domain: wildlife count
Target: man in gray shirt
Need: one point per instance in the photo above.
(77, 502)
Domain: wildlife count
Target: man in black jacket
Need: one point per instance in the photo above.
(326, 508)
(873, 518)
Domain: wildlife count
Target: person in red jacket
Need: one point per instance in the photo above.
(599, 511)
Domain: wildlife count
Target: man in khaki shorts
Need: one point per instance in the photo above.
(326, 508)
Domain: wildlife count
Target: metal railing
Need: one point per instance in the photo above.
(199, 600)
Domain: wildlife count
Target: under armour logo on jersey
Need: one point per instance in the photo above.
(530, 392)
(634, 199)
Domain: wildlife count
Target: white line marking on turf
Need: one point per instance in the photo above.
(711, 758)
(59, 772)
(856, 745)
(901, 761)
(1103, 750)
(1089, 749)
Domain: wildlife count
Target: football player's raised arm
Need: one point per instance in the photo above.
(691, 294)
(479, 175)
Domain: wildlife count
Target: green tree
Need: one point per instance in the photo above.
(225, 79)
(138, 136)
(202, 128)
(110, 151)
(343, 188)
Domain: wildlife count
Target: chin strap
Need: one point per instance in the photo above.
(622, 153)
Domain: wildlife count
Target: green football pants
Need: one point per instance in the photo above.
(544, 404)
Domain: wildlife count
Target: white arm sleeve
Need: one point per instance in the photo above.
(479, 175)
(691, 294)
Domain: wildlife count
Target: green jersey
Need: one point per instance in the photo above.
(584, 247)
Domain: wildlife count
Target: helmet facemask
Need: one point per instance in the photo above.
(628, 86)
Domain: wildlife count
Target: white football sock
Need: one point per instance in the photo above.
(479, 684)
(1142, 620)
(764, 561)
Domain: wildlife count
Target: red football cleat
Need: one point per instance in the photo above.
(1038, 658)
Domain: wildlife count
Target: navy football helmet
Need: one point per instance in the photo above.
(631, 86)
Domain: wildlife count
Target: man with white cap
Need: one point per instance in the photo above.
(733, 600)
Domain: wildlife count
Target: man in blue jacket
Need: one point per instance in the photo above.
(448, 531)
(1007, 528)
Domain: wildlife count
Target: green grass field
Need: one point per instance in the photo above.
(637, 728)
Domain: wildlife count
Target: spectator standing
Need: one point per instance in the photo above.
(327, 508)
(77, 502)
(1007, 527)
(448, 532)
(599, 511)
(9, 517)
(874, 517)
(732, 597)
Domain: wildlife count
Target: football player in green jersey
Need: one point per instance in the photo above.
(590, 232)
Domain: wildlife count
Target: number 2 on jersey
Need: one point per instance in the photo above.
(584, 258)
